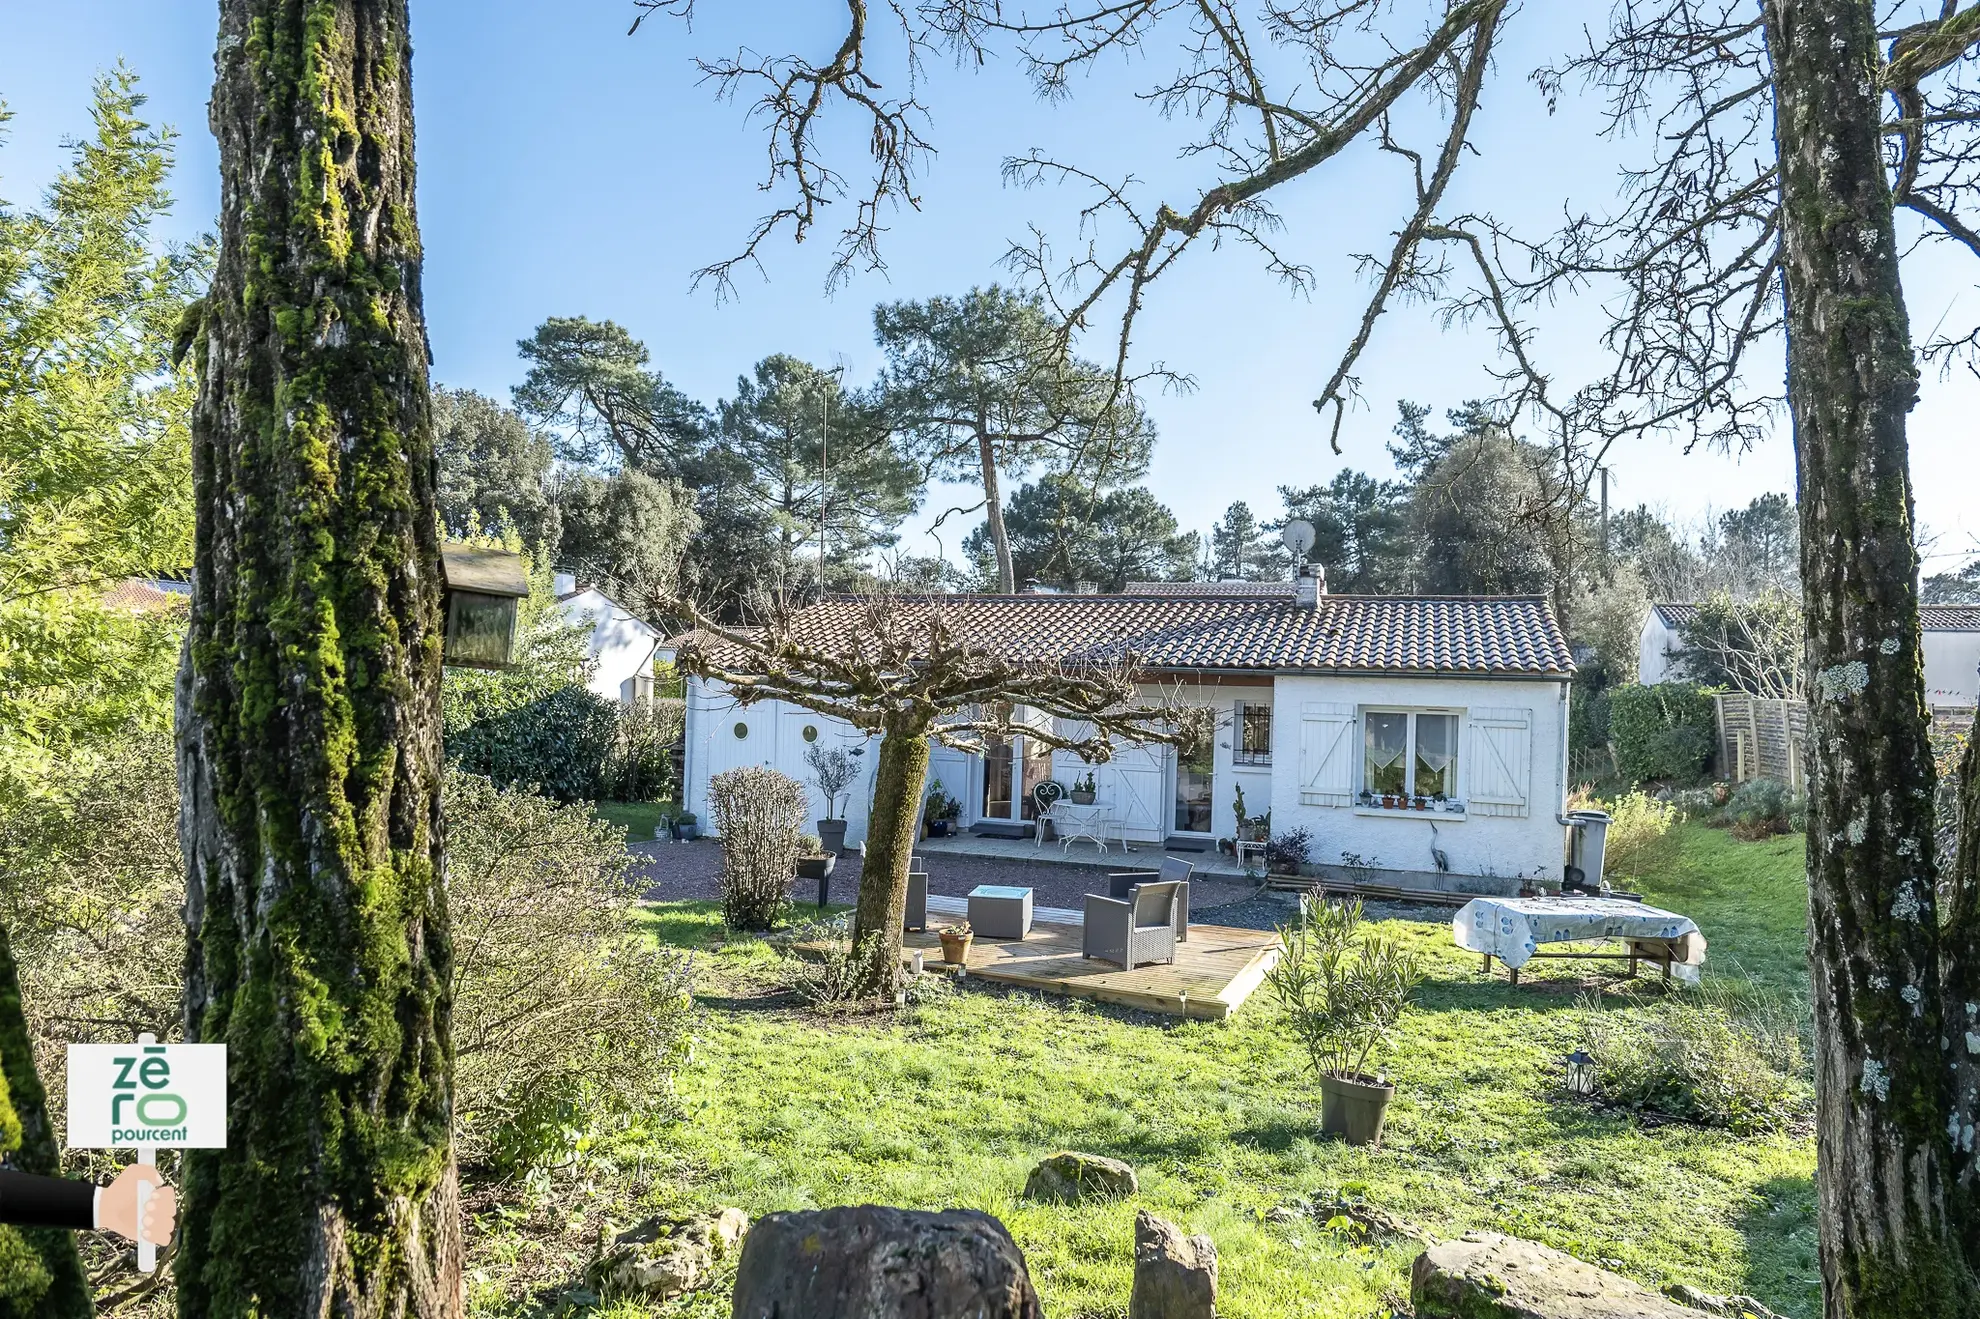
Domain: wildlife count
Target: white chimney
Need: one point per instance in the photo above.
(1311, 585)
(563, 584)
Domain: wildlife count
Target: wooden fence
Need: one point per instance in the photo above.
(1763, 738)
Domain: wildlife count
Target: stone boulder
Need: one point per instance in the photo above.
(664, 1257)
(1488, 1276)
(872, 1262)
(1070, 1178)
(1175, 1277)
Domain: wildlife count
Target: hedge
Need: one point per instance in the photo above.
(1662, 732)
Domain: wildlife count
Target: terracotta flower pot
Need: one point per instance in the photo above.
(955, 948)
(1355, 1107)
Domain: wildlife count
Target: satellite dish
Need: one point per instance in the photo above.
(1299, 537)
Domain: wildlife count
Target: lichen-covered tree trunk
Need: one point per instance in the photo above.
(308, 708)
(41, 1276)
(898, 779)
(993, 510)
(1893, 1126)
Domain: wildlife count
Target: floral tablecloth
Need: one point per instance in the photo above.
(1510, 929)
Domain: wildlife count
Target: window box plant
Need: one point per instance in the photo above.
(955, 942)
(1084, 790)
(1344, 989)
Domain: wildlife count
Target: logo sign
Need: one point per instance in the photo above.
(158, 1096)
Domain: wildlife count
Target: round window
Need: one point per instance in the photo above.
(811, 732)
(742, 729)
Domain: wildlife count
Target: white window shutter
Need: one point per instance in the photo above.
(1500, 762)
(1326, 754)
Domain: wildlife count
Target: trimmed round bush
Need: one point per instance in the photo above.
(760, 815)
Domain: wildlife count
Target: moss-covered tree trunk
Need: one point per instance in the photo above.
(1894, 1128)
(898, 779)
(41, 1277)
(308, 712)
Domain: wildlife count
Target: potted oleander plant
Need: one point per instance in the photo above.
(1345, 988)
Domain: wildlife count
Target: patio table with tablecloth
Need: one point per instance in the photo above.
(1513, 930)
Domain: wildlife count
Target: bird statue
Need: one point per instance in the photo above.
(1437, 854)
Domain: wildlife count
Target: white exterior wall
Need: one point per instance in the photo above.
(1951, 659)
(774, 736)
(621, 646)
(1505, 846)
(1654, 650)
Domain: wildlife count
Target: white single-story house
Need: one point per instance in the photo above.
(622, 647)
(1949, 636)
(1325, 706)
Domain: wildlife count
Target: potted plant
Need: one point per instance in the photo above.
(1388, 801)
(955, 942)
(814, 862)
(686, 827)
(1083, 790)
(1345, 989)
(941, 812)
(834, 770)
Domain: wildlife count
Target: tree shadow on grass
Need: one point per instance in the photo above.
(1782, 1270)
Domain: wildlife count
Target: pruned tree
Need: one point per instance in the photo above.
(911, 670)
(985, 386)
(1778, 142)
(309, 697)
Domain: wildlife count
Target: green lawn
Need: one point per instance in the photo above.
(637, 818)
(950, 1103)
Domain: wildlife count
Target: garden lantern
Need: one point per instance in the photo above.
(483, 586)
(1580, 1073)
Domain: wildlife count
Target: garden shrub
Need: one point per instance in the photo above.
(561, 742)
(1640, 841)
(641, 764)
(1286, 852)
(759, 813)
(1663, 732)
(1699, 1062)
(564, 1010)
(1761, 808)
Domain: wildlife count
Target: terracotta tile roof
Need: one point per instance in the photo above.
(1510, 635)
(139, 595)
(1676, 613)
(1279, 590)
(1932, 618)
(1949, 618)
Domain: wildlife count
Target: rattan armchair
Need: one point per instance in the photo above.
(1128, 932)
(1173, 871)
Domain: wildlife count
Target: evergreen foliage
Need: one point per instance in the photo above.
(95, 478)
(1663, 732)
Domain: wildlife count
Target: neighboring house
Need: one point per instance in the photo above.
(147, 595)
(1950, 637)
(622, 647)
(1324, 703)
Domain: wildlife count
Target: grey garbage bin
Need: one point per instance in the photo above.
(1587, 837)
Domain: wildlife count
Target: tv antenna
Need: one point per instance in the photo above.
(1298, 536)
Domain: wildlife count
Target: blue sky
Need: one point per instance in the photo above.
(566, 168)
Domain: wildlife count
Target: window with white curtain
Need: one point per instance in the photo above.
(1409, 753)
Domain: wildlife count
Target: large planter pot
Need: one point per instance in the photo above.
(686, 833)
(1354, 1107)
(832, 833)
(938, 828)
(820, 869)
(1083, 798)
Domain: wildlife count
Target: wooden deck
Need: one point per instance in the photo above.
(1215, 970)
